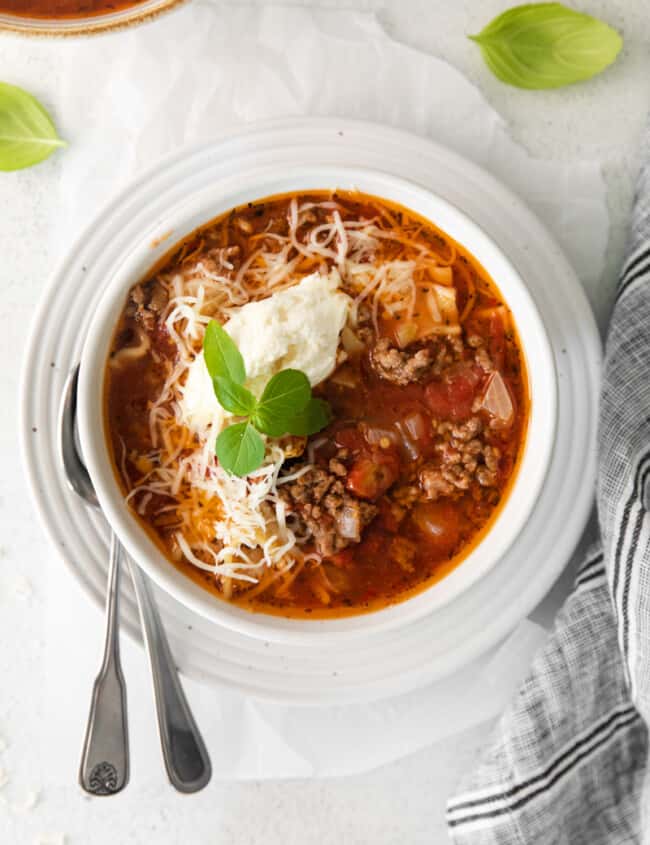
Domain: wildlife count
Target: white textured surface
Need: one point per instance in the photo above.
(399, 803)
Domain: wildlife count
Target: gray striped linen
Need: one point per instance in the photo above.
(567, 762)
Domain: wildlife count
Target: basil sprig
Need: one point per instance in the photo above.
(547, 45)
(27, 134)
(286, 405)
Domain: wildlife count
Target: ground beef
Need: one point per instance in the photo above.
(147, 302)
(434, 483)
(483, 359)
(337, 467)
(364, 329)
(481, 355)
(406, 495)
(333, 517)
(416, 362)
(463, 456)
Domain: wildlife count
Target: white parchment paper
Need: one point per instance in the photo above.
(179, 80)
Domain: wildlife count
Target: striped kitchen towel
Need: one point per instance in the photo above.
(567, 763)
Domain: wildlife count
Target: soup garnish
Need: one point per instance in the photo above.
(286, 405)
(368, 490)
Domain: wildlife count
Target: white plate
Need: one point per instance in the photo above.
(435, 646)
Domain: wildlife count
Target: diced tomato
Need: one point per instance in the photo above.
(437, 398)
(418, 426)
(438, 523)
(452, 397)
(373, 473)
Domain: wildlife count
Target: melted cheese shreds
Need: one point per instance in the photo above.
(251, 528)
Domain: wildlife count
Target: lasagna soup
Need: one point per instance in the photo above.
(397, 328)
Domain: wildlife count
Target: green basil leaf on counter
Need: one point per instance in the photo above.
(547, 45)
(27, 134)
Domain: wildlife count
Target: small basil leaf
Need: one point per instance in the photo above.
(268, 424)
(27, 134)
(222, 357)
(240, 449)
(284, 396)
(234, 397)
(547, 45)
(315, 417)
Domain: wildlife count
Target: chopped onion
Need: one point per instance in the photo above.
(410, 445)
(497, 400)
(378, 436)
(416, 425)
(441, 302)
(350, 341)
(406, 333)
(443, 275)
(447, 303)
(432, 305)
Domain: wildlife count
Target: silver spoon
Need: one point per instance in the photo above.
(104, 766)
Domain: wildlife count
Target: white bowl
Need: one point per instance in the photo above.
(200, 206)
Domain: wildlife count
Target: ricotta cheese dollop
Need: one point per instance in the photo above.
(298, 327)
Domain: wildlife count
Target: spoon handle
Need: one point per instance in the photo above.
(104, 766)
(186, 758)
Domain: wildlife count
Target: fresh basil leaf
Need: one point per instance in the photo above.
(240, 449)
(315, 416)
(285, 396)
(27, 134)
(268, 424)
(222, 357)
(547, 45)
(234, 397)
